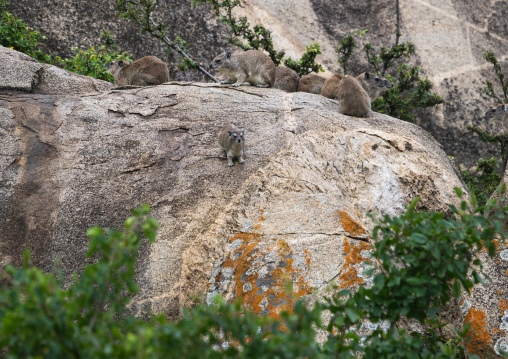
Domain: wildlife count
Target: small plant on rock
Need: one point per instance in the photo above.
(92, 62)
(17, 35)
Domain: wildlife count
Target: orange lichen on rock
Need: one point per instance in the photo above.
(503, 305)
(354, 228)
(478, 336)
(352, 252)
(262, 269)
(353, 258)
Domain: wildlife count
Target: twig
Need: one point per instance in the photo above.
(181, 52)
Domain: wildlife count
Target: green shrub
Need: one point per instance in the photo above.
(15, 34)
(484, 136)
(484, 180)
(92, 62)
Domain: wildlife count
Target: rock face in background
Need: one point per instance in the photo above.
(449, 35)
(70, 23)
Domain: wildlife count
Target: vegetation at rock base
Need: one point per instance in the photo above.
(260, 38)
(426, 259)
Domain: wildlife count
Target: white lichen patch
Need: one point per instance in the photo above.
(504, 321)
(501, 346)
(504, 255)
(464, 308)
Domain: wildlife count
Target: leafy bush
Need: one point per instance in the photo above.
(424, 259)
(15, 34)
(484, 136)
(92, 62)
(484, 180)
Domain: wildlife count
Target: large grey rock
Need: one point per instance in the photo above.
(70, 162)
(20, 72)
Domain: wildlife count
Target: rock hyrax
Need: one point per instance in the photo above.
(331, 85)
(499, 112)
(286, 79)
(374, 85)
(311, 83)
(353, 99)
(231, 143)
(146, 71)
(251, 66)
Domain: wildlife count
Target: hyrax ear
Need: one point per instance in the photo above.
(243, 132)
(230, 133)
(505, 108)
(228, 55)
(120, 63)
(366, 75)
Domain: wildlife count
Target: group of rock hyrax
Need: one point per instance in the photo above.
(354, 94)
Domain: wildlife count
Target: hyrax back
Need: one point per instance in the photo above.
(311, 83)
(231, 143)
(146, 71)
(353, 99)
(330, 86)
(286, 79)
(251, 66)
(374, 85)
(499, 113)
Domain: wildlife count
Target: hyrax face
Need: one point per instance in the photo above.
(377, 81)
(236, 137)
(221, 60)
(115, 66)
(498, 112)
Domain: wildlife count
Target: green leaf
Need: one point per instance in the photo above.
(456, 288)
(352, 315)
(94, 232)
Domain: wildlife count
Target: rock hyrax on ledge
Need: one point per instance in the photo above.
(353, 99)
(231, 143)
(311, 83)
(146, 71)
(374, 85)
(251, 66)
(286, 79)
